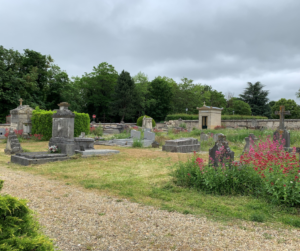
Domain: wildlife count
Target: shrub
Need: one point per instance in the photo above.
(42, 123)
(19, 230)
(139, 121)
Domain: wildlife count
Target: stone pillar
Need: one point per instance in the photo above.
(63, 129)
(19, 116)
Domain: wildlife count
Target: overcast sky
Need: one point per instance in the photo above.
(221, 43)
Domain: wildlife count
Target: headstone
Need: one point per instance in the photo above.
(135, 134)
(155, 144)
(13, 145)
(82, 135)
(203, 137)
(250, 141)
(221, 152)
(183, 145)
(21, 115)
(281, 134)
(147, 123)
(216, 136)
(63, 130)
(149, 135)
(254, 123)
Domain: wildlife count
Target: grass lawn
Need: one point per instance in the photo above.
(143, 176)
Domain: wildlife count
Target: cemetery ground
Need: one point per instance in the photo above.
(143, 176)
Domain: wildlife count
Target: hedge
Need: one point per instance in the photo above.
(18, 228)
(184, 116)
(42, 123)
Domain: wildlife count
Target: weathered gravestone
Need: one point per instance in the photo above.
(63, 130)
(13, 145)
(82, 143)
(147, 123)
(135, 134)
(250, 141)
(149, 136)
(2, 133)
(216, 136)
(183, 145)
(220, 153)
(281, 134)
(203, 136)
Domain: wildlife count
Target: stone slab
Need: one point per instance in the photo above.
(135, 134)
(97, 152)
(182, 148)
(182, 142)
(26, 159)
(2, 131)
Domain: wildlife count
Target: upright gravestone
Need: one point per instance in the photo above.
(220, 153)
(147, 123)
(250, 141)
(21, 118)
(203, 136)
(63, 130)
(281, 134)
(135, 134)
(13, 145)
(149, 136)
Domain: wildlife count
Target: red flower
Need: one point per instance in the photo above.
(284, 185)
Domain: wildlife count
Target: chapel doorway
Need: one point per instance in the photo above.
(204, 122)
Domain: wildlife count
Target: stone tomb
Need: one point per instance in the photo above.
(183, 145)
(13, 145)
(147, 123)
(221, 152)
(26, 159)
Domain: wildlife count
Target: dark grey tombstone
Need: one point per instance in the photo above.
(155, 144)
(225, 156)
(82, 148)
(13, 145)
(281, 134)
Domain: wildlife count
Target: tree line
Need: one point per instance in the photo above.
(115, 97)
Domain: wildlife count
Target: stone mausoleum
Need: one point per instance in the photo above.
(209, 117)
(21, 118)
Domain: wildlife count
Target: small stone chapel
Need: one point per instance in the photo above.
(209, 117)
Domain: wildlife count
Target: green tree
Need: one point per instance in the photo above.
(238, 106)
(124, 96)
(257, 98)
(290, 105)
(142, 99)
(97, 89)
(161, 92)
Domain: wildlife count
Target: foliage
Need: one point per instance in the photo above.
(124, 95)
(98, 131)
(184, 116)
(33, 77)
(161, 92)
(139, 121)
(267, 170)
(36, 137)
(19, 230)
(42, 123)
(237, 106)
(290, 105)
(257, 98)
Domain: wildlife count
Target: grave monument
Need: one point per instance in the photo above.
(13, 145)
(147, 123)
(281, 134)
(21, 118)
(250, 141)
(209, 117)
(183, 145)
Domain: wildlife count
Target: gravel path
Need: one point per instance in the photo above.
(79, 219)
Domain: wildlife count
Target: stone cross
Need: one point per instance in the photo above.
(21, 100)
(281, 114)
